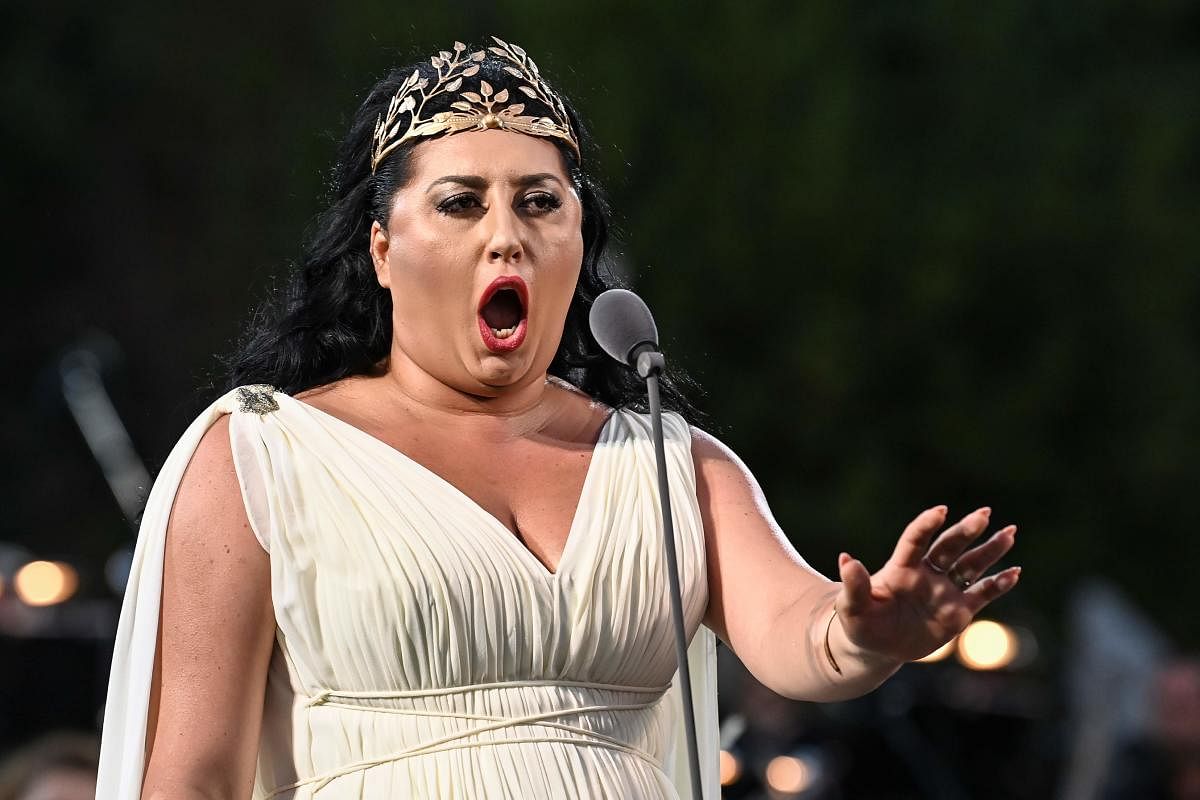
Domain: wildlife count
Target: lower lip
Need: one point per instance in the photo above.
(502, 345)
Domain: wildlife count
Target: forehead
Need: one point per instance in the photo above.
(491, 153)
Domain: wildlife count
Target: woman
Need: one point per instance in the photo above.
(420, 557)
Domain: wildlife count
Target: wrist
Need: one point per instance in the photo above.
(843, 654)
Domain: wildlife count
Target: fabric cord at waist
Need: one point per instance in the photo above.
(454, 741)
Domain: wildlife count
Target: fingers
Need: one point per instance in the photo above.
(914, 542)
(955, 539)
(991, 587)
(856, 585)
(978, 560)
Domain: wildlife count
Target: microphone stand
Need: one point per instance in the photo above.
(649, 364)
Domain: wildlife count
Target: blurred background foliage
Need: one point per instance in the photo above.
(915, 252)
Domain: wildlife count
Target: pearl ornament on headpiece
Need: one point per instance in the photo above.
(474, 110)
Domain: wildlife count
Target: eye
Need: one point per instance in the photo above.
(459, 203)
(541, 203)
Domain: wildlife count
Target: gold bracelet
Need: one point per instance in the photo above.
(829, 650)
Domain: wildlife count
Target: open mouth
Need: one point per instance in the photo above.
(502, 314)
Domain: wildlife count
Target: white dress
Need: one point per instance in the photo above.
(421, 650)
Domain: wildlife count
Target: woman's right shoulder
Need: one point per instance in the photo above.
(210, 507)
(225, 422)
(211, 467)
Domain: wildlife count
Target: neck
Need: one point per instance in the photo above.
(514, 410)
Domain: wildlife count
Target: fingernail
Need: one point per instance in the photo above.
(940, 509)
(986, 511)
(1009, 579)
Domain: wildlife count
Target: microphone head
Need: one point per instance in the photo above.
(621, 323)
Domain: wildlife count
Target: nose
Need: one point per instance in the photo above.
(503, 236)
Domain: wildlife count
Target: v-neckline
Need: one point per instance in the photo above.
(489, 518)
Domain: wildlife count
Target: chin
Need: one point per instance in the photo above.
(496, 372)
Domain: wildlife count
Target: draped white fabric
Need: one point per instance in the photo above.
(421, 649)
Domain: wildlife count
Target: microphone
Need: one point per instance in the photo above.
(624, 328)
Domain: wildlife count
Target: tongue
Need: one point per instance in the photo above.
(503, 310)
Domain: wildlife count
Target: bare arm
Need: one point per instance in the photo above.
(765, 601)
(215, 635)
(774, 610)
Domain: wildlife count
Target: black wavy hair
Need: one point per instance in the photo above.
(331, 319)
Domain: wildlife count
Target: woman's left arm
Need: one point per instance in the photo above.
(809, 638)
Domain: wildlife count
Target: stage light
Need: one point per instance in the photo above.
(943, 652)
(731, 768)
(45, 583)
(789, 775)
(986, 645)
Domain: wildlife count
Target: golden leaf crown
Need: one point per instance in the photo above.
(474, 111)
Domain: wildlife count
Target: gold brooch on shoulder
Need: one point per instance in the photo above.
(257, 399)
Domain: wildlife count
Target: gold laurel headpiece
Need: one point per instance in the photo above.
(476, 111)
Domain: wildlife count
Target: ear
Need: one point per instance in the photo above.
(379, 253)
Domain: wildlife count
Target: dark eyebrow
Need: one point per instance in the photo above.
(470, 181)
(538, 177)
(479, 183)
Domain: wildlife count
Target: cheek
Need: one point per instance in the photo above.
(562, 244)
(426, 285)
(559, 285)
(563, 256)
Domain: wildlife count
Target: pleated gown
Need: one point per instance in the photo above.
(421, 650)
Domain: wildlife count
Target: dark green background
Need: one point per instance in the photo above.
(915, 252)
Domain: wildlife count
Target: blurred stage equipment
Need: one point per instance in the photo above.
(81, 377)
(1114, 653)
(625, 329)
(102, 429)
(116, 569)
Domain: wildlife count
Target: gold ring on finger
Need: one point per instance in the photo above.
(958, 579)
(929, 563)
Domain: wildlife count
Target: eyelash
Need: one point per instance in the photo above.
(538, 203)
(549, 202)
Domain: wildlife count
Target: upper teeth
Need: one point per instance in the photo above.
(503, 333)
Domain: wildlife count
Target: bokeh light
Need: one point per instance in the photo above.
(731, 768)
(788, 774)
(45, 583)
(986, 645)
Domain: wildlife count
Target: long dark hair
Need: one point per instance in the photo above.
(332, 319)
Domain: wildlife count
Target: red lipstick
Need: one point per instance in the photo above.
(503, 314)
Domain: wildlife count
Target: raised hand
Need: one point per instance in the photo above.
(926, 593)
